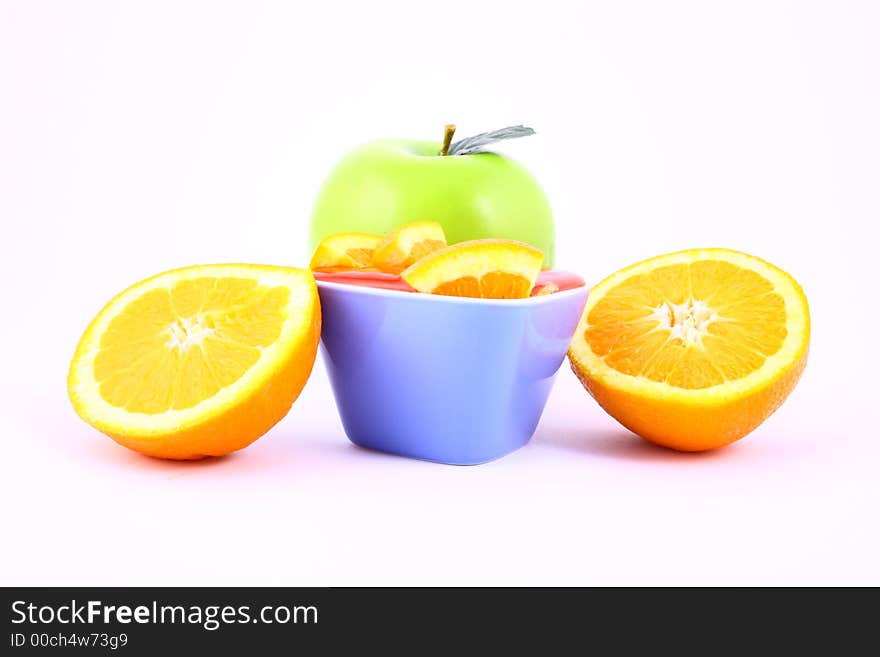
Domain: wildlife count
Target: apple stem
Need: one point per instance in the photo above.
(447, 139)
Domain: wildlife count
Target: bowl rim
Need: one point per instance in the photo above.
(437, 298)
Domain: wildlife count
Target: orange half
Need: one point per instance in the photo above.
(198, 361)
(488, 269)
(693, 350)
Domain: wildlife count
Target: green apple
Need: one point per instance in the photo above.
(384, 184)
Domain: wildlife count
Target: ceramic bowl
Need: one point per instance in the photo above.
(446, 379)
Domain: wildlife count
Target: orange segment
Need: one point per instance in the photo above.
(197, 361)
(488, 269)
(344, 252)
(409, 243)
(693, 350)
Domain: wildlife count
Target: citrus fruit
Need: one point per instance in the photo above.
(344, 252)
(488, 269)
(199, 361)
(693, 350)
(402, 247)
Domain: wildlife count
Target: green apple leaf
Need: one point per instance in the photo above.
(478, 143)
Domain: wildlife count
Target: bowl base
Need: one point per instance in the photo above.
(443, 461)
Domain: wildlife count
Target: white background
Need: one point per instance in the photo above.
(136, 137)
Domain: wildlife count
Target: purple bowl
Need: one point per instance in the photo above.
(446, 379)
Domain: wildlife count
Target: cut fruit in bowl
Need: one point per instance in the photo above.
(403, 247)
(693, 350)
(487, 269)
(345, 252)
(544, 290)
(199, 361)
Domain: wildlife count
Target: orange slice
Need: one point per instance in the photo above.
(344, 252)
(488, 269)
(403, 247)
(197, 361)
(693, 350)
